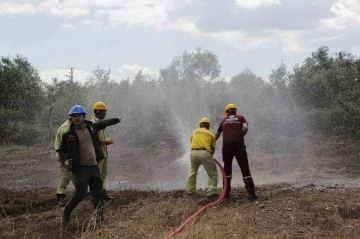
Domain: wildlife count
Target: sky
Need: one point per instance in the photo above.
(126, 36)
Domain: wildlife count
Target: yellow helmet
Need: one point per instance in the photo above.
(99, 106)
(204, 120)
(230, 106)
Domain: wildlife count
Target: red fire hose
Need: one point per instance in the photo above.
(177, 230)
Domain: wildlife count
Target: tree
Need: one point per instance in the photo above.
(59, 98)
(279, 80)
(328, 88)
(21, 99)
(99, 76)
(199, 64)
(279, 77)
(246, 88)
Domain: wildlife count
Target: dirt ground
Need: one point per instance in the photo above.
(282, 211)
(312, 194)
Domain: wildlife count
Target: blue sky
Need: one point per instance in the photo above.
(126, 35)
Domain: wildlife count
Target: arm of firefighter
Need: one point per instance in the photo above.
(57, 139)
(63, 149)
(102, 124)
(213, 144)
(219, 131)
(217, 135)
(212, 150)
(59, 134)
(57, 143)
(244, 128)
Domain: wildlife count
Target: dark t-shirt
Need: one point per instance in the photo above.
(231, 126)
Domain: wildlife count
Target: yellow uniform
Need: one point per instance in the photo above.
(203, 138)
(65, 175)
(202, 145)
(103, 164)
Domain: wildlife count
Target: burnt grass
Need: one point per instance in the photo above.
(310, 209)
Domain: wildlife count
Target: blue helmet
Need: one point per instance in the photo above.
(77, 109)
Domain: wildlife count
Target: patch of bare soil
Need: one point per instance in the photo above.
(282, 211)
(320, 199)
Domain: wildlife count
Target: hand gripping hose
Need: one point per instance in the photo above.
(177, 230)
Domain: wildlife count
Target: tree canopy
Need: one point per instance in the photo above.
(318, 96)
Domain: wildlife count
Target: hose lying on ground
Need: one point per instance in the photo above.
(177, 230)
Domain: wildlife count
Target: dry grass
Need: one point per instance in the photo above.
(281, 212)
(317, 210)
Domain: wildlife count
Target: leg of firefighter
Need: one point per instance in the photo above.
(102, 164)
(65, 177)
(81, 180)
(96, 189)
(228, 156)
(242, 159)
(104, 172)
(195, 164)
(211, 170)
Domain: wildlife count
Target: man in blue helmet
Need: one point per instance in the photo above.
(80, 150)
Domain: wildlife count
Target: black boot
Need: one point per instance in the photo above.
(65, 219)
(250, 188)
(106, 197)
(228, 186)
(60, 198)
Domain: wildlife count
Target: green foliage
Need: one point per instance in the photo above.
(59, 98)
(98, 77)
(21, 85)
(247, 89)
(195, 65)
(27, 134)
(328, 88)
(320, 96)
(21, 99)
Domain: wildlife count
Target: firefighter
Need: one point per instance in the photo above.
(202, 150)
(100, 110)
(65, 175)
(79, 151)
(235, 128)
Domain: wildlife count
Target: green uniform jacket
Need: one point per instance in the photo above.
(59, 133)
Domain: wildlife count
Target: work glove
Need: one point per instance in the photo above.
(108, 141)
